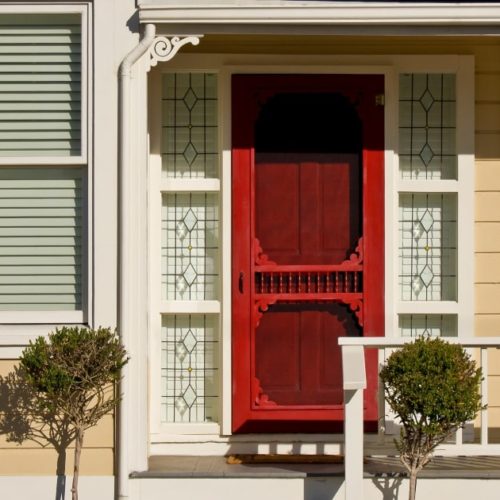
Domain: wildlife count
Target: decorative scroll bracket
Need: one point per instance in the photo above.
(261, 259)
(357, 256)
(260, 307)
(356, 306)
(164, 48)
(261, 398)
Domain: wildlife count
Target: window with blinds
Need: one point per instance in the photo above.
(40, 85)
(43, 170)
(41, 238)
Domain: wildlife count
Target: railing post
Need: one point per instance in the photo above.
(354, 374)
(484, 396)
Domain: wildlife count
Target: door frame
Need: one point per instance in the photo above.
(225, 65)
(245, 417)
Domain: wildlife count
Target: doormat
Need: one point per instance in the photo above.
(284, 459)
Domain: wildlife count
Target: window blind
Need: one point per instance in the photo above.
(41, 238)
(40, 92)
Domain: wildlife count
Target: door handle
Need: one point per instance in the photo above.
(241, 282)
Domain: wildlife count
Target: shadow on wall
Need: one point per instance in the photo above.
(322, 488)
(23, 418)
(328, 488)
(388, 486)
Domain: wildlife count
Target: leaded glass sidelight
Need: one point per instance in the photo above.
(434, 325)
(428, 246)
(189, 125)
(189, 366)
(427, 126)
(190, 246)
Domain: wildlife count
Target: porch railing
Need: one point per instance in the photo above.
(354, 382)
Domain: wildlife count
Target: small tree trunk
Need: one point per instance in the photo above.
(413, 483)
(76, 469)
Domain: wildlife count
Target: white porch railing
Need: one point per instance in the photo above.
(354, 382)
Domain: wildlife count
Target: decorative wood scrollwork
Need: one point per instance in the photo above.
(311, 283)
(356, 306)
(357, 256)
(165, 49)
(261, 259)
(261, 305)
(261, 399)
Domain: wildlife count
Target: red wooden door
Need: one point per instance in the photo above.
(308, 239)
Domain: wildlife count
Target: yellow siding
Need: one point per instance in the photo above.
(31, 458)
(488, 217)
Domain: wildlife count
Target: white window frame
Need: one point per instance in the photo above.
(463, 187)
(23, 325)
(159, 185)
(224, 66)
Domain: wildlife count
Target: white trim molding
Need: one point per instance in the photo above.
(321, 13)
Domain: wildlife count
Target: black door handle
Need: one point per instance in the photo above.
(240, 281)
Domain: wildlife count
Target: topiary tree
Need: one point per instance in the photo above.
(433, 388)
(74, 374)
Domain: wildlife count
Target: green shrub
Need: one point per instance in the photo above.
(74, 374)
(433, 388)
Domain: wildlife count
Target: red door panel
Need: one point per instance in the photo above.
(307, 245)
(297, 357)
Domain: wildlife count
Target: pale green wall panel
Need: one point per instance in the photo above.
(41, 238)
(40, 90)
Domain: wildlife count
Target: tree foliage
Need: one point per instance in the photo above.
(433, 388)
(73, 375)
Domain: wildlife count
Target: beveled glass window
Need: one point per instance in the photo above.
(428, 246)
(190, 361)
(190, 267)
(434, 325)
(427, 126)
(188, 180)
(190, 125)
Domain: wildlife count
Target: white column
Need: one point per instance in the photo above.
(354, 375)
(353, 436)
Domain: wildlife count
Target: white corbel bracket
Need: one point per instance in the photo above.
(165, 48)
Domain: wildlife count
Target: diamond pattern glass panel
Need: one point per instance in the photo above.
(427, 126)
(434, 325)
(428, 246)
(190, 363)
(190, 251)
(190, 125)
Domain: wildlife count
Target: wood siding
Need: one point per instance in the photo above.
(487, 214)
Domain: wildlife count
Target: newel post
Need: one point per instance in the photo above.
(354, 376)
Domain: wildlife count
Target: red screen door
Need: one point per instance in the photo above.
(308, 239)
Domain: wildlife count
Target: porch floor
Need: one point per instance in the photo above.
(464, 467)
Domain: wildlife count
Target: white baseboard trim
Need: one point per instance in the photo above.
(51, 487)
